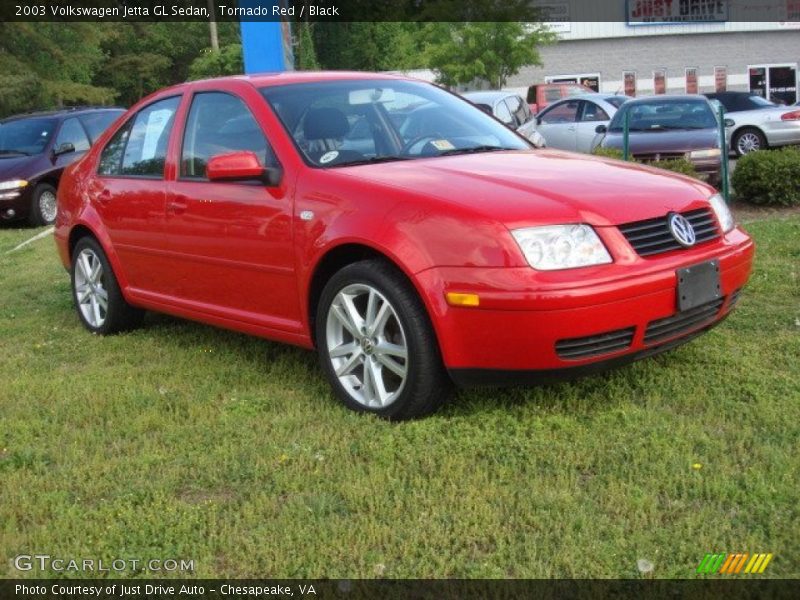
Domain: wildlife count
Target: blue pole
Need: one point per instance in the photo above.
(266, 45)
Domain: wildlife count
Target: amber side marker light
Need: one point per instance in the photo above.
(462, 299)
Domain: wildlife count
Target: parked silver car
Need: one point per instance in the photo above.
(758, 123)
(570, 124)
(511, 110)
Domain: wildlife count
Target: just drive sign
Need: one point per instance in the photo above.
(644, 12)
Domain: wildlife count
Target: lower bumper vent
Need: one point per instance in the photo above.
(682, 322)
(594, 345)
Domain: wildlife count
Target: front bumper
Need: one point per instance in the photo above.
(17, 207)
(525, 317)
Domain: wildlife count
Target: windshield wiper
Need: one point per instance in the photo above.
(371, 161)
(11, 152)
(473, 150)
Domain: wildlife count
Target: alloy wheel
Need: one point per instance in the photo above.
(367, 346)
(748, 142)
(90, 292)
(48, 206)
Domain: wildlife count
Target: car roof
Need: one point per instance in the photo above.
(487, 95)
(666, 98)
(62, 112)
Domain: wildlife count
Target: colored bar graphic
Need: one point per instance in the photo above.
(732, 564)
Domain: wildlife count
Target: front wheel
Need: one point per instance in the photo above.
(376, 343)
(749, 140)
(44, 207)
(98, 299)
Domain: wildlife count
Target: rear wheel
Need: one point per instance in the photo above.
(749, 140)
(376, 343)
(43, 205)
(95, 290)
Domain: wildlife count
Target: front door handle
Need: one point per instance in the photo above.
(104, 196)
(177, 206)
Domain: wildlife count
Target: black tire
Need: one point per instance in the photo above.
(39, 215)
(751, 133)
(426, 386)
(119, 315)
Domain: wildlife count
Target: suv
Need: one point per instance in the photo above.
(542, 94)
(35, 148)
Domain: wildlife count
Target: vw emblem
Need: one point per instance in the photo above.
(682, 230)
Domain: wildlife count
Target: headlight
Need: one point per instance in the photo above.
(710, 153)
(723, 213)
(556, 247)
(13, 184)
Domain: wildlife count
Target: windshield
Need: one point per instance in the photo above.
(758, 101)
(337, 123)
(616, 101)
(662, 115)
(25, 136)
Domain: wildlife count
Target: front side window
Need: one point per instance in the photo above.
(337, 123)
(502, 113)
(111, 157)
(25, 136)
(97, 122)
(146, 151)
(72, 132)
(592, 112)
(220, 123)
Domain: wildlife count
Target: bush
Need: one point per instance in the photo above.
(676, 165)
(769, 177)
(608, 153)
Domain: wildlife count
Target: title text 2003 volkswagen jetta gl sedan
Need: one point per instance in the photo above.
(407, 235)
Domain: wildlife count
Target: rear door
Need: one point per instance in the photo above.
(231, 242)
(129, 194)
(558, 125)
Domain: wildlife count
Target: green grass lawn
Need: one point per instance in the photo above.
(184, 441)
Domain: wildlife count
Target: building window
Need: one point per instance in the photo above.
(590, 80)
(660, 81)
(777, 83)
(691, 80)
(720, 79)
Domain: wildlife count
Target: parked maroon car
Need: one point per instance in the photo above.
(35, 148)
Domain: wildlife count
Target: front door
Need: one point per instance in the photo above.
(558, 125)
(231, 242)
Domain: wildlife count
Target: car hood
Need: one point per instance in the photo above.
(11, 167)
(524, 188)
(646, 142)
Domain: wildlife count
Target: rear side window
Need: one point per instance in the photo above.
(72, 132)
(220, 123)
(146, 150)
(97, 122)
(139, 148)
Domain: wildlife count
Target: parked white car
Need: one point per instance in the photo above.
(571, 124)
(511, 110)
(758, 123)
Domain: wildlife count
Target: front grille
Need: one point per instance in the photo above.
(682, 322)
(594, 345)
(653, 157)
(654, 237)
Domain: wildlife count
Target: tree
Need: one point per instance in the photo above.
(43, 65)
(305, 56)
(227, 60)
(461, 53)
(366, 46)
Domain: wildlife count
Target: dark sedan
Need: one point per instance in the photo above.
(35, 148)
(669, 127)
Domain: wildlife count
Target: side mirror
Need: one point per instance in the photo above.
(601, 129)
(729, 122)
(242, 166)
(64, 148)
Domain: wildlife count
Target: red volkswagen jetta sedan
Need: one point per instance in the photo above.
(405, 234)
